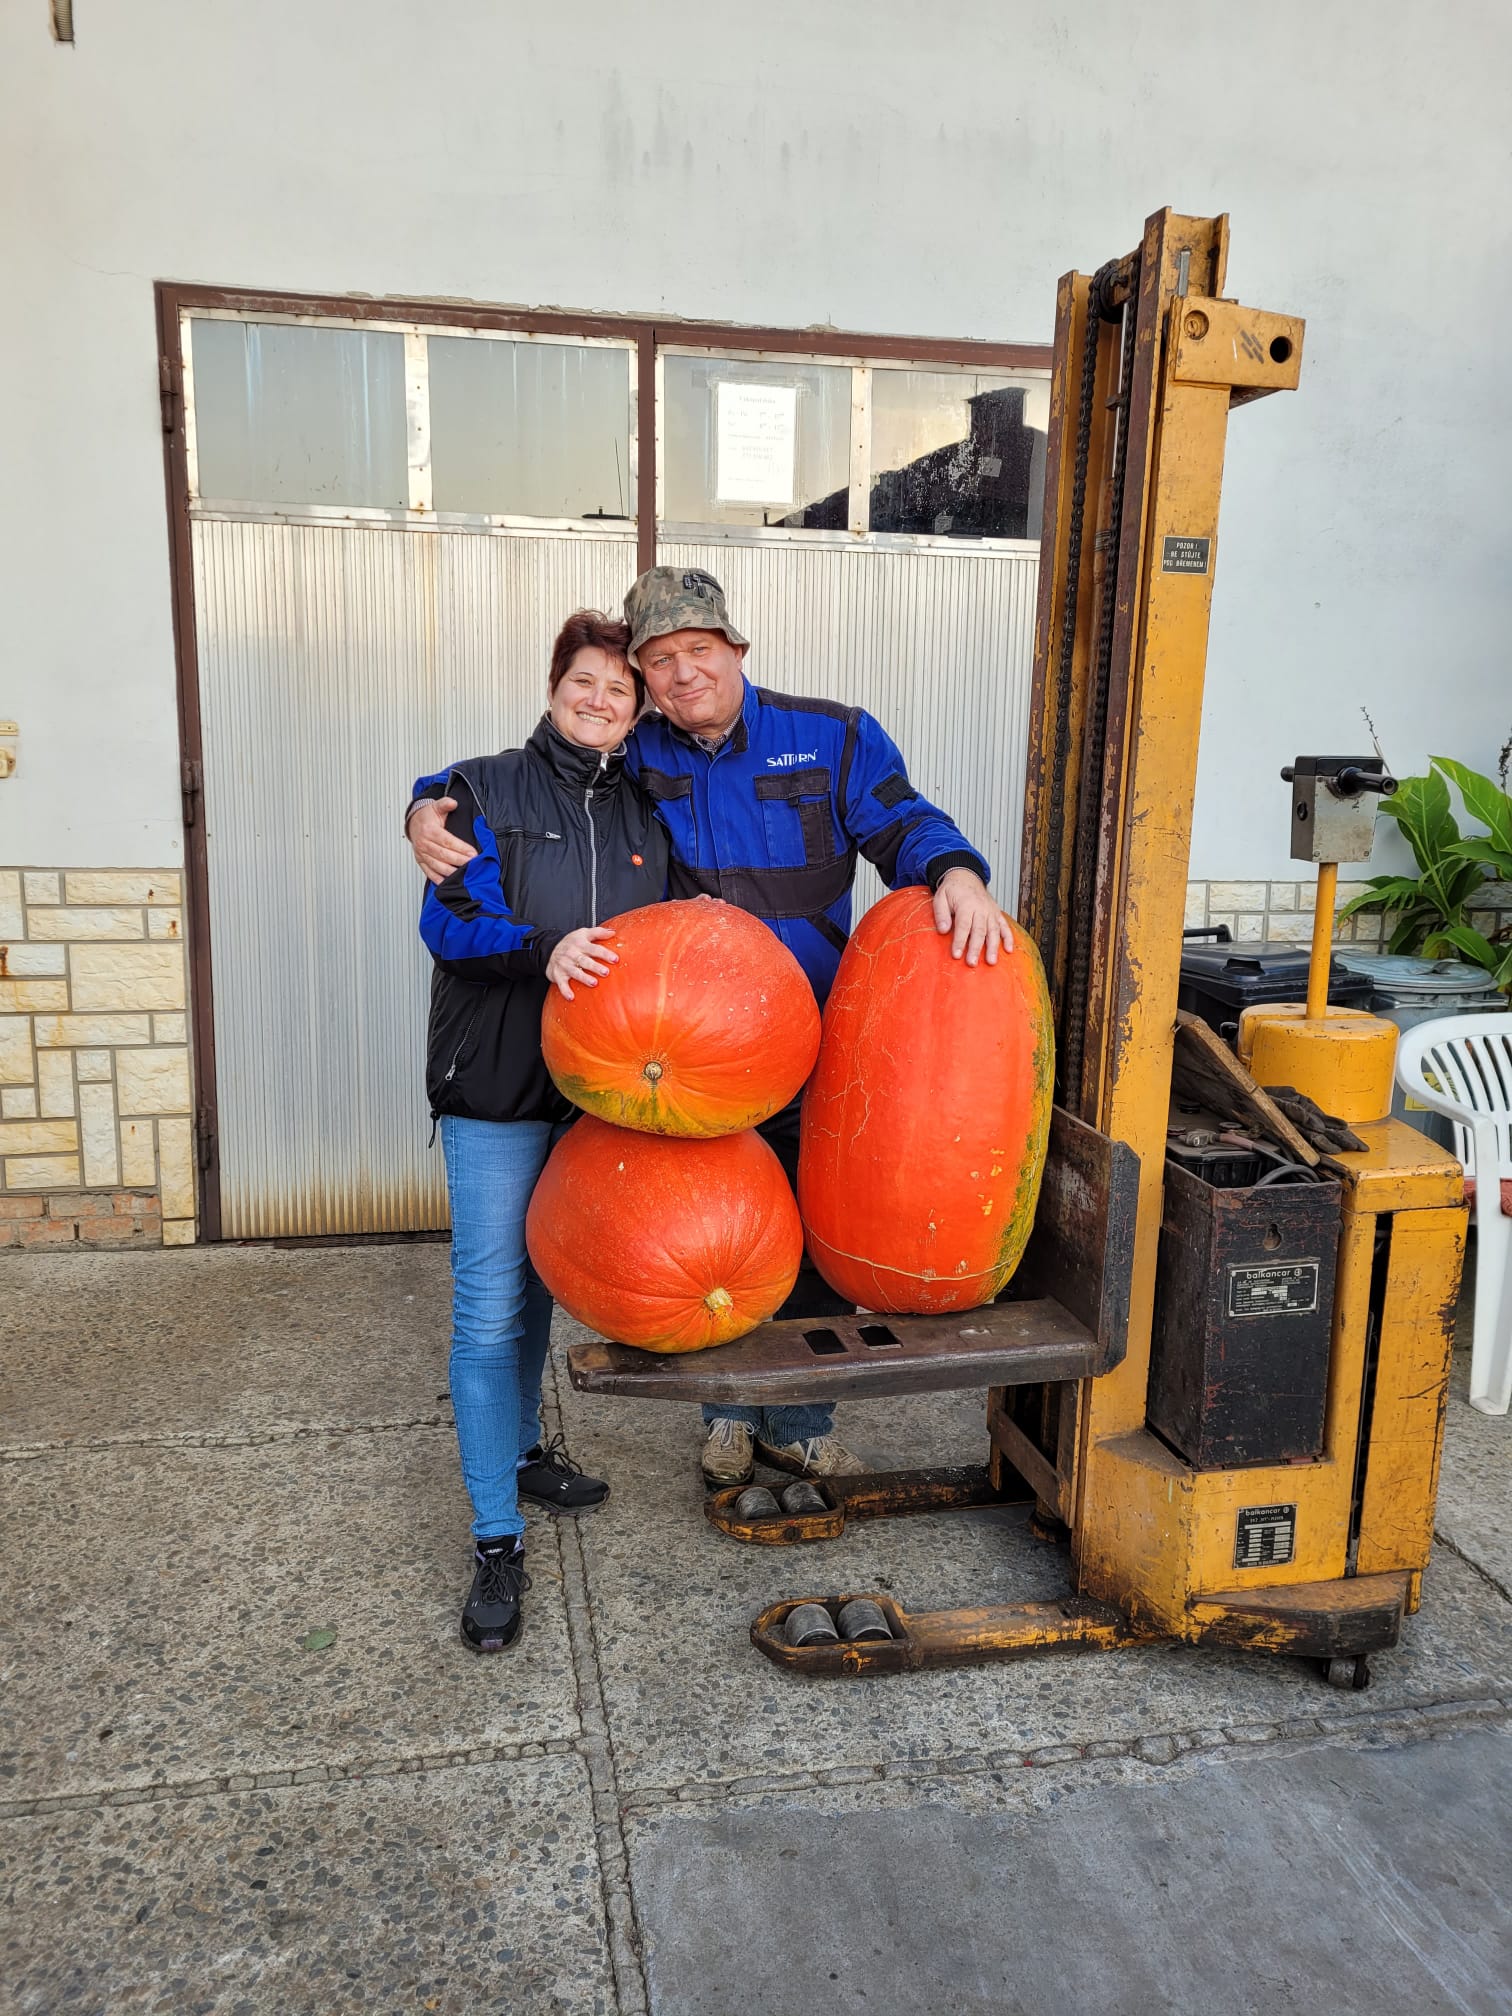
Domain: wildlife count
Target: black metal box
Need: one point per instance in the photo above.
(1219, 981)
(1244, 1295)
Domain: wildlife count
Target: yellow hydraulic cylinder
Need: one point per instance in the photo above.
(1322, 941)
(1343, 1060)
(1340, 1058)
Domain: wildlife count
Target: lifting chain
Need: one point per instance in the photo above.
(1113, 295)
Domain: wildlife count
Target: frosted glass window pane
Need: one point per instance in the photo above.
(534, 430)
(288, 414)
(958, 453)
(733, 429)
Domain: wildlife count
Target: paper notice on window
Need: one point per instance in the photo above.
(756, 435)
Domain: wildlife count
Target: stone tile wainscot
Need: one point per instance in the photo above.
(96, 1133)
(1284, 910)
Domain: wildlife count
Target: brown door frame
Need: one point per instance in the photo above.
(649, 338)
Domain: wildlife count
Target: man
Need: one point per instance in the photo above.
(768, 800)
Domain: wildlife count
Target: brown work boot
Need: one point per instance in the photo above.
(820, 1456)
(726, 1456)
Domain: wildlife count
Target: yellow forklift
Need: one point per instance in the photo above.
(1221, 1372)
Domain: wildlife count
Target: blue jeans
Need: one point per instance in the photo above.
(779, 1425)
(501, 1312)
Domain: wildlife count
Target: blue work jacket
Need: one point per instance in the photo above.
(773, 819)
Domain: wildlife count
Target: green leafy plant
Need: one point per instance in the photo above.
(1430, 907)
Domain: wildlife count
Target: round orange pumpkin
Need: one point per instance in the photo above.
(671, 1245)
(705, 1026)
(925, 1122)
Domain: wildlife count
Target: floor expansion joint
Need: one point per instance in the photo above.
(1407, 1723)
(114, 1445)
(1491, 1581)
(596, 1746)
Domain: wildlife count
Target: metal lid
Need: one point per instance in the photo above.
(1399, 974)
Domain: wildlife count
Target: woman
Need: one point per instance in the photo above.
(565, 838)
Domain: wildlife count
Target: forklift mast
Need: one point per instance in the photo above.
(1149, 359)
(1320, 1555)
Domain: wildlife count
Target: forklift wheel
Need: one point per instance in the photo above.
(1048, 1526)
(1353, 1673)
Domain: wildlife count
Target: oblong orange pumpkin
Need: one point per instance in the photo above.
(925, 1122)
(705, 1026)
(671, 1245)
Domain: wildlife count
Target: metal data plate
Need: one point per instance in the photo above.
(1290, 1289)
(1265, 1536)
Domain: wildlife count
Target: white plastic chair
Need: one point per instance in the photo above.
(1461, 1066)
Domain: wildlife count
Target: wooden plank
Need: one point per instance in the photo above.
(1081, 1252)
(1067, 1442)
(830, 1358)
(1207, 1072)
(1031, 1463)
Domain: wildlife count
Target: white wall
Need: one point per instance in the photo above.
(883, 167)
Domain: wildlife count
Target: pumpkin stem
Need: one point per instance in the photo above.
(718, 1300)
(653, 1072)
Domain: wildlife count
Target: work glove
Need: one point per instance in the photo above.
(1327, 1133)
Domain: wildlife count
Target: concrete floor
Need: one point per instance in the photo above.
(210, 1455)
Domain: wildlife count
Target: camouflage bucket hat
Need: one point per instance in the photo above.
(676, 598)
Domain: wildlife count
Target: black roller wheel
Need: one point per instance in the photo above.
(1351, 1673)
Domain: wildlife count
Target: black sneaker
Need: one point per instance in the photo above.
(491, 1615)
(548, 1476)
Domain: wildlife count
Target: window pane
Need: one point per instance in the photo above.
(287, 414)
(536, 430)
(958, 453)
(756, 444)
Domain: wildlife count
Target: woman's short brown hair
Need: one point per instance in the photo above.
(587, 629)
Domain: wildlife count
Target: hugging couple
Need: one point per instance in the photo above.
(657, 770)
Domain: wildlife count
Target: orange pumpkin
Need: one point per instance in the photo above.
(925, 1122)
(671, 1245)
(706, 1025)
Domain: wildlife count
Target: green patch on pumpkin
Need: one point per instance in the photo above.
(1020, 1220)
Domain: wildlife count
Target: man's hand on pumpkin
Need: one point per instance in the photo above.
(964, 909)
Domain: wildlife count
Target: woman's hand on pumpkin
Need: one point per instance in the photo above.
(963, 908)
(438, 852)
(580, 957)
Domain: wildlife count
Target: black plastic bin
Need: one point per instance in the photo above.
(1221, 979)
